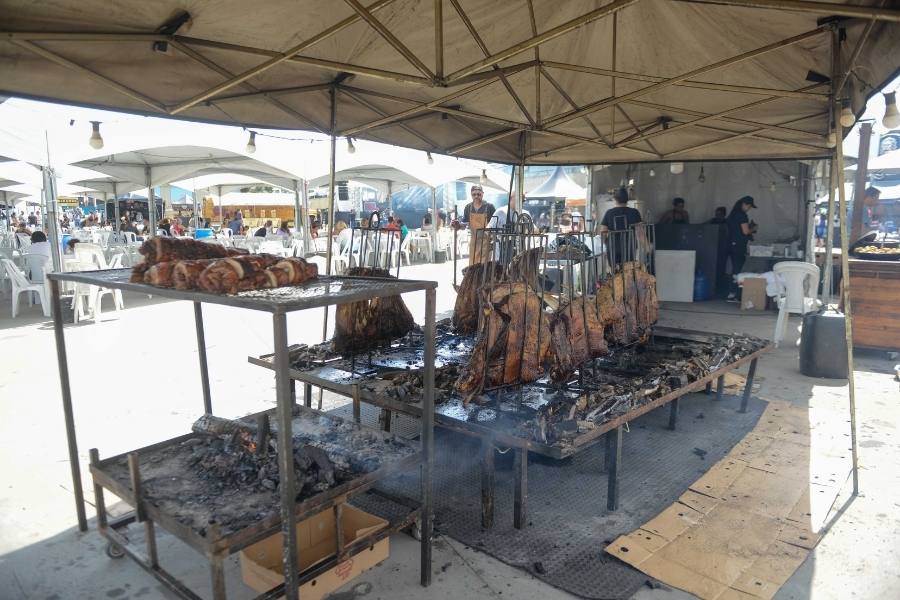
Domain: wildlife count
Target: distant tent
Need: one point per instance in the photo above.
(558, 185)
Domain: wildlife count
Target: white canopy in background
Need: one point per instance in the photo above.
(558, 185)
(886, 164)
(687, 80)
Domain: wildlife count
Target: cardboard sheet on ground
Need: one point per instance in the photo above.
(744, 527)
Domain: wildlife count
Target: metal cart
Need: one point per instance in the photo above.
(322, 292)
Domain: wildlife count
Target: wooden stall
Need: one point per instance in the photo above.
(875, 302)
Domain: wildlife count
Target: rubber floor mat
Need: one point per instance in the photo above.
(568, 525)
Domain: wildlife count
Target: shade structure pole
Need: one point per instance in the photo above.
(52, 219)
(151, 201)
(589, 200)
(298, 215)
(307, 238)
(434, 224)
(115, 187)
(331, 193)
(845, 268)
(859, 186)
(827, 276)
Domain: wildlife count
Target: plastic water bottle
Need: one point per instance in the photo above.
(701, 287)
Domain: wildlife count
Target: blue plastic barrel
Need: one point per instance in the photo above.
(701, 287)
(203, 233)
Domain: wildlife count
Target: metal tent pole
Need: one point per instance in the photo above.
(434, 224)
(51, 217)
(151, 202)
(298, 215)
(331, 192)
(859, 185)
(115, 187)
(827, 283)
(307, 239)
(845, 269)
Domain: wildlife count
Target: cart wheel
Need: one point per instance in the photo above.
(114, 550)
(415, 530)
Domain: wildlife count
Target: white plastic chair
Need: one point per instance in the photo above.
(403, 251)
(90, 254)
(130, 237)
(24, 240)
(340, 261)
(275, 247)
(801, 282)
(21, 284)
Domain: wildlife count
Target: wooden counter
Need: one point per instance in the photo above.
(875, 302)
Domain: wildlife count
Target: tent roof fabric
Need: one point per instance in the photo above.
(583, 81)
(174, 163)
(558, 185)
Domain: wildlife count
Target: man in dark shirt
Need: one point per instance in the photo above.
(618, 219)
(721, 216)
(264, 230)
(677, 214)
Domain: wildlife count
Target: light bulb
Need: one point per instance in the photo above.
(483, 178)
(891, 118)
(847, 117)
(702, 178)
(676, 168)
(96, 140)
(831, 140)
(430, 158)
(772, 187)
(652, 173)
(251, 143)
(351, 149)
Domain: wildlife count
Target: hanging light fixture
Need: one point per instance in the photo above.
(430, 158)
(772, 187)
(96, 140)
(251, 143)
(831, 140)
(351, 149)
(891, 118)
(847, 116)
(483, 178)
(652, 173)
(702, 178)
(676, 168)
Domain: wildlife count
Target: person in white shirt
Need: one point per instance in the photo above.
(39, 244)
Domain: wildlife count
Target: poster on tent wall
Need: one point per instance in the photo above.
(888, 142)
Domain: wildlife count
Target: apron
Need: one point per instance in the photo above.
(480, 247)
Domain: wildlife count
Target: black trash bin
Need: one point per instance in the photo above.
(823, 345)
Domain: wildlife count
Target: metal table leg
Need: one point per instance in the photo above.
(708, 389)
(286, 457)
(487, 484)
(720, 387)
(99, 500)
(201, 351)
(748, 388)
(673, 413)
(68, 414)
(307, 395)
(427, 437)
(357, 404)
(217, 576)
(520, 483)
(614, 463)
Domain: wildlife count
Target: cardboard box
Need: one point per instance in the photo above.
(261, 563)
(753, 294)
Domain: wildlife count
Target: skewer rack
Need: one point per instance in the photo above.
(324, 291)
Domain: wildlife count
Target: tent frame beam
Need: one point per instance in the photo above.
(390, 38)
(754, 134)
(280, 58)
(821, 8)
(405, 126)
(712, 117)
(606, 103)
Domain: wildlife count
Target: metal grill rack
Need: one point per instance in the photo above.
(492, 434)
(325, 291)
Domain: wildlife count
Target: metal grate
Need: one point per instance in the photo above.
(568, 524)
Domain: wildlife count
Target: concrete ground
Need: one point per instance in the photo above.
(135, 381)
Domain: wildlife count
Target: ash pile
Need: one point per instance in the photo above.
(236, 454)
